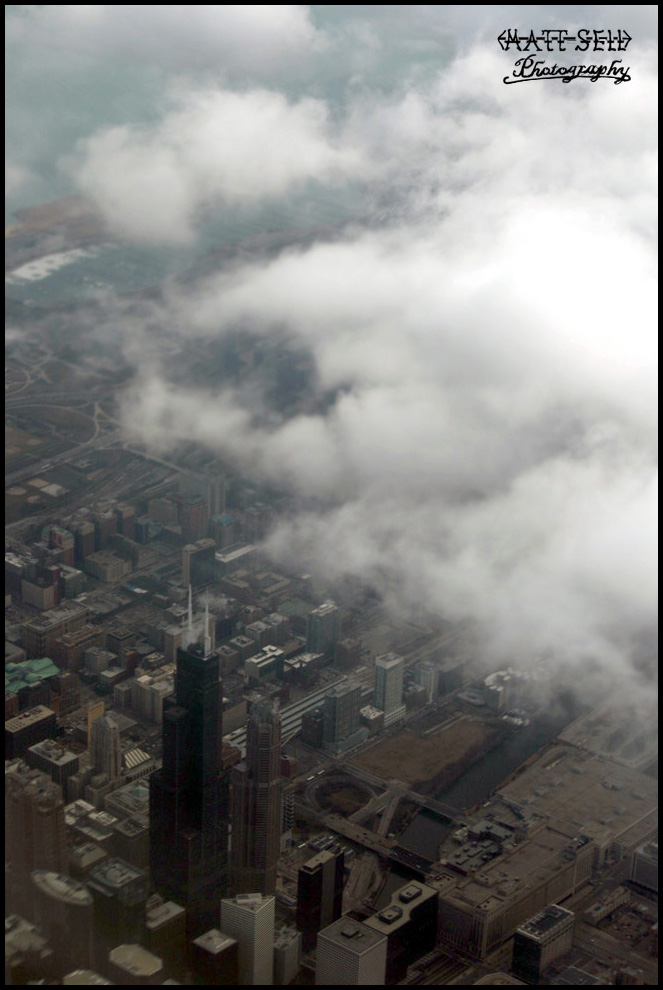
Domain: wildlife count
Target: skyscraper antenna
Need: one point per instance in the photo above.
(208, 638)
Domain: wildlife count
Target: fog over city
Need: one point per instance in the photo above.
(479, 437)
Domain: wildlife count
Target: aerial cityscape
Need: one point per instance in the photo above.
(330, 496)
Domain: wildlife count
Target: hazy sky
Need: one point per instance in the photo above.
(487, 326)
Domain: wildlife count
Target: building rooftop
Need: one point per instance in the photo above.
(352, 935)
(327, 608)
(596, 796)
(545, 921)
(54, 752)
(510, 874)
(86, 855)
(318, 860)
(252, 902)
(499, 980)
(29, 717)
(116, 873)
(61, 888)
(400, 907)
(230, 554)
(62, 612)
(214, 941)
(159, 914)
(135, 959)
(388, 660)
(26, 672)
(341, 689)
(87, 978)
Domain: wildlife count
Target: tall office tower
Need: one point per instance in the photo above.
(29, 727)
(341, 729)
(214, 959)
(409, 923)
(323, 629)
(199, 563)
(540, 941)
(126, 520)
(193, 517)
(388, 696)
(119, 892)
(249, 919)
(64, 910)
(52, 759)
(215, 490)
(256, 793)
(189, 794)
(35, 833)
(287, 955)
(319, 893)
(644, 866)
(105, 747)
(166, 934)
(350, 954)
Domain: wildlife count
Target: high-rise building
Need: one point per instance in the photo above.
(41, 633)
(249, 919)
(214, 959)
(52, 759)
(256, 805)
(28, 956)
(35, 832)
(351, 954)
(388, 695)
(199, 563)
(193, 516)
(126, 520)
(409, 923)
(341, 724)
(166, 933)
(287, 955)
(539, 942)
(69, 650)
(119, 891)
(28, 728)
(323, 629)
(105, 747)
(319, 893)
(644, 866)
(64, 911)
(189, 794)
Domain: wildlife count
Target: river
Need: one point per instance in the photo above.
(427, 830)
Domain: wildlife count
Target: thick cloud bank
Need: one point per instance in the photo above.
(490, 450)
(483, 440)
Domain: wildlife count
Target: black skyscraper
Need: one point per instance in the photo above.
(189, 801)
(256, 805)
(320, 893)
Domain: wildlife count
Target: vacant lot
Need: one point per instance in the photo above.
(416, 761)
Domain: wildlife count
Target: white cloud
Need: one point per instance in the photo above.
(16, 178)
(224, 38)
(215, 147)
(490, 453)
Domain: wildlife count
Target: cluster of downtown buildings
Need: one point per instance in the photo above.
(153, 855)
